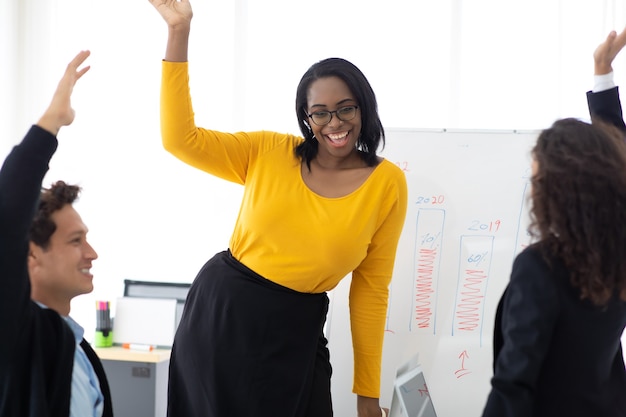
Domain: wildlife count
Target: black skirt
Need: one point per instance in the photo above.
(246, 346)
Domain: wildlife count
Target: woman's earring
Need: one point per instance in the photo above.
(309, 127)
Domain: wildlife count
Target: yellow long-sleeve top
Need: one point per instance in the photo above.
(289, 234)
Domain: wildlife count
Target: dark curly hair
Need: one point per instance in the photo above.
(51, 200)
(372, 132)
(579, 204)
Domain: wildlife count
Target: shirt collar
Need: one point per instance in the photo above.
(78, 331)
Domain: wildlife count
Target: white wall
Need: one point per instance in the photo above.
(475, 64)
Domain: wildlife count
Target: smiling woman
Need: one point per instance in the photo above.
(334, 142)
(315, 209)
(339, 153)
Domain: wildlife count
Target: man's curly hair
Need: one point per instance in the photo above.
(51, 200)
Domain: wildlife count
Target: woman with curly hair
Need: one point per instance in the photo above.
(557, 348)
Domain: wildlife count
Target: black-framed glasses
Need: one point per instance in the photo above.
(324, 117)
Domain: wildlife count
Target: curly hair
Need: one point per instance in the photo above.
(50, 201)
(372, 132)
(578, 208)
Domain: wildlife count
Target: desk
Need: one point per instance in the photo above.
(138, 380)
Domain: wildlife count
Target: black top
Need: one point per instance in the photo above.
(606, 105)
(37, 348)
(555, 354)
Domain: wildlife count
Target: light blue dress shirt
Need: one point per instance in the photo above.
(87, 398)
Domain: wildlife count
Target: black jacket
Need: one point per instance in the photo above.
(555, 354)
(37, 348)
(606, 105)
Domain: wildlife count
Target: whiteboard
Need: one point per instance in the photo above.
(466, 221)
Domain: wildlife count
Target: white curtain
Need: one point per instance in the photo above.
(453, 64)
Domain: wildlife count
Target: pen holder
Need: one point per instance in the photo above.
(104, 331)
(104, 338)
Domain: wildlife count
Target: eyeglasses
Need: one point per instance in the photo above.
(324, 117)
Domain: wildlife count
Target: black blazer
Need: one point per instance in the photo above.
(37, 348)
(606, 105)
(554, 354)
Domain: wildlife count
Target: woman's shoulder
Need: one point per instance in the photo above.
(388, 176)
(535, 255)
(536, 264)
(390, 170)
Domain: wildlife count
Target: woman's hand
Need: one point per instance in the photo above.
(175, 12)
(369, 407)
(606, 52)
